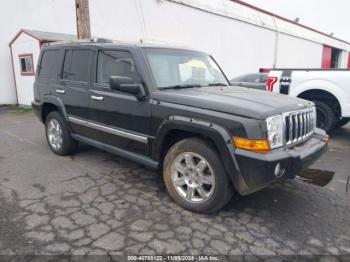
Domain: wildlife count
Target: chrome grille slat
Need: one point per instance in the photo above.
(298, 126)
(301, 129)
(305, 124)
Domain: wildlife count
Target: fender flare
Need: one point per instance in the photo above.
(218, 134)
(54, 100)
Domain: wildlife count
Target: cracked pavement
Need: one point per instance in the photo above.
(97, 203)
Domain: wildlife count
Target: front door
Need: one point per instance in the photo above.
(118, 119)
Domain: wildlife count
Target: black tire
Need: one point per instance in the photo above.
(326, 117)
(223, 190)
(68, 145)
(342, 122)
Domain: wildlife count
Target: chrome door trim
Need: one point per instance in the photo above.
(60, 91)
(97, 98)
(110, 130)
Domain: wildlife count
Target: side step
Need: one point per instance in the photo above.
(143, 160)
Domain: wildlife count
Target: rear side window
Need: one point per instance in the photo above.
(49, 66)
(115, 63)
(76, 65)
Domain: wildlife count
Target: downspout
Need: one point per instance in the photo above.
(14, 74)
(276, 43)
(141, 20)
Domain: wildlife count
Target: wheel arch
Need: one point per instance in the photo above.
(321, 90)
(176, 128)
(52, 103)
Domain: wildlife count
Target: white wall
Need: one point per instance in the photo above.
(295, 52)
(239, 47)
(25, 45)
(46, 15)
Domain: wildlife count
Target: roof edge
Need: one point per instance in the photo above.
(287, 20)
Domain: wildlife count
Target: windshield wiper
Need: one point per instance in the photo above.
(180, 86)
(217, 84)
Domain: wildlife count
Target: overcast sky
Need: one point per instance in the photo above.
(325, 15)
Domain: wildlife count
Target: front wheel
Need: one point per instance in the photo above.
(195, 177)
(326, 117)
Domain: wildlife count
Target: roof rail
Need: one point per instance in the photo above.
(81, 41)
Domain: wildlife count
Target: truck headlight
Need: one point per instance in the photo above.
(275, 131)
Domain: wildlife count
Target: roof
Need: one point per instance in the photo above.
(242, 11)
(43, 36)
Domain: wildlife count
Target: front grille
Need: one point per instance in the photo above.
(299, 125)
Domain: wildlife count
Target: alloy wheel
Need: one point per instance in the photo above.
(55, 134)
(192, 177)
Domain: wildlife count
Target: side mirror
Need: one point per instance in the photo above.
(127, 85)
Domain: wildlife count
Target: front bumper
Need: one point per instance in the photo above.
(258, 169)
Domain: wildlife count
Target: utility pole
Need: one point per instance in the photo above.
(83, 19)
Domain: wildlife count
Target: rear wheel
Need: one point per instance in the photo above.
(326, 117)
(342, 122)
(195, 177)
(58, 136)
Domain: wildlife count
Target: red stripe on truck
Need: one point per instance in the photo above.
(349, 60)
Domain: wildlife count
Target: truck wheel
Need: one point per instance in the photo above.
(58, 136)
(326, 117)
(195, 177)
(342, 122)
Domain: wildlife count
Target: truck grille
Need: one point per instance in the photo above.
(299, 125)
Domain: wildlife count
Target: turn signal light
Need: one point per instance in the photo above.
(251, 144)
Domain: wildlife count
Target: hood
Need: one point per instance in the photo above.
(234, 100)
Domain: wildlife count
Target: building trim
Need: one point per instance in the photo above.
(19, 33)
(287, 20)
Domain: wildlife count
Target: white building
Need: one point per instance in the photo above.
(25, 50)
(241, 37)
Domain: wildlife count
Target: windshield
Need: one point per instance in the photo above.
(183, 69)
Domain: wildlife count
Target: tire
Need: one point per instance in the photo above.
(342, 122)
(211, 188)
(326, 117)
(58, 136)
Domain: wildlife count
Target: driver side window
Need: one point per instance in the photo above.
(114, 63)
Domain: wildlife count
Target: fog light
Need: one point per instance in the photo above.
(279, 170)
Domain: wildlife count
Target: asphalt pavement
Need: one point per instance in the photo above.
(98, 203)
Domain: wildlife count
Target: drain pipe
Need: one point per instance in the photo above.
(276, 43)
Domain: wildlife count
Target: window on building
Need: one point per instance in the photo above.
(26, 64)
(335, 59)
(49, 66)
(76, 65)
(115, 63)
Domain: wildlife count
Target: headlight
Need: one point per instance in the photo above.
(275, 131)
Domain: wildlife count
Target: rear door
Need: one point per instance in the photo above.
(74, 86)
(119, 119)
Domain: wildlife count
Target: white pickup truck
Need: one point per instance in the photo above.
(328, 89)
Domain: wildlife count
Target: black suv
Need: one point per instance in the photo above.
(173, 109)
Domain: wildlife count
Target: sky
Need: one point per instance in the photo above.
(328, 16)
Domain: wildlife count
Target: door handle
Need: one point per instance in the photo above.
(97, 98)
(60, 91)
